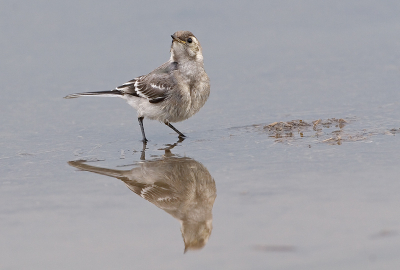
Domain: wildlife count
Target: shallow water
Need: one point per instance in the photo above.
(300, 135)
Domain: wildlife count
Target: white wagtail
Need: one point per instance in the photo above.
(180, 186)
(172, 92)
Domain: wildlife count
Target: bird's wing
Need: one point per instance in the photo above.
(159, 193)
(153, 86)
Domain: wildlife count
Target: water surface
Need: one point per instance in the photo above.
(299, 136)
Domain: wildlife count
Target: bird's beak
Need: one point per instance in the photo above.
(174, 38)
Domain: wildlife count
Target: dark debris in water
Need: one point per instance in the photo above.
(394, 130)
(329, 131)
(334, 131)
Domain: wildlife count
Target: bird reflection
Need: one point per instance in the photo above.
(180, 186)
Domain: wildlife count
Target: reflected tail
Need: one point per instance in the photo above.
(79, 164)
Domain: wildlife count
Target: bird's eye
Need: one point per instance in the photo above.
(189, 40)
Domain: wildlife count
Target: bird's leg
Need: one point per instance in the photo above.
(177, 131)
(143, 155)
(140, 119)
(168, 147)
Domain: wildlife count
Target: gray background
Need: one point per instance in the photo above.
(283, 203)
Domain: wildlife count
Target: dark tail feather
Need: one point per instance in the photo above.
(79, 164)
(109, 93)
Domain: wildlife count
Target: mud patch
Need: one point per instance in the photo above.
(333, 131)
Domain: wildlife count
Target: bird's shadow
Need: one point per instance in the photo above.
(181, 186)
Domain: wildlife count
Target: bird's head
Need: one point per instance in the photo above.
(185, 46)
(196, 234)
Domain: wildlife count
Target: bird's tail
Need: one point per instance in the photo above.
(81, 165)
(109, 93)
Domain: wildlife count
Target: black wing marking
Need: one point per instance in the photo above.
(155, 86)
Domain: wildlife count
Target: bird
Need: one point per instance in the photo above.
(171, 93)
(181, 186)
